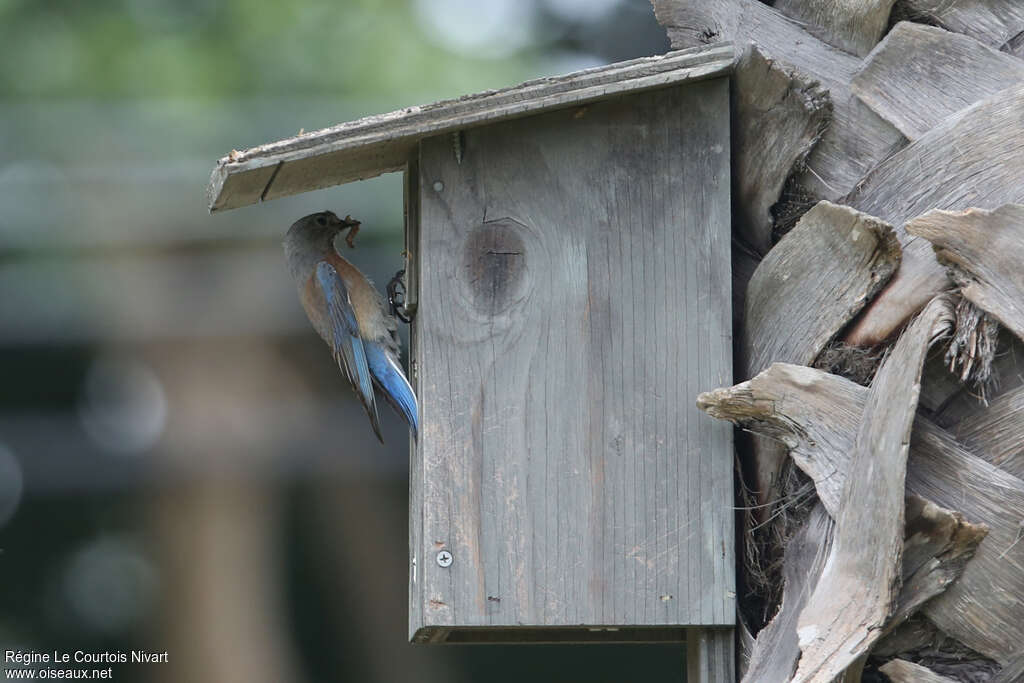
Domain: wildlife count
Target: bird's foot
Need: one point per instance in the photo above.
(396, 297)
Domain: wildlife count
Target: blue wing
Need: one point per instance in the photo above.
(390, 379)
(348, 347)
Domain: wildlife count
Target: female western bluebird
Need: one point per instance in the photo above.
(349, 314)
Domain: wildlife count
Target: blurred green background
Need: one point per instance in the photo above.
(182, 467)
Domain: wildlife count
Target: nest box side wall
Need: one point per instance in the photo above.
(573, 300)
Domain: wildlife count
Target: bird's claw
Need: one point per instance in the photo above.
(396, 297)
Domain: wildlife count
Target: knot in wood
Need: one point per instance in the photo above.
(494, 264)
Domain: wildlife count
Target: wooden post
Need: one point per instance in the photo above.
(710, 655)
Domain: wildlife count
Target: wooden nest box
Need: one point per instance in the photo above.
(568, 259)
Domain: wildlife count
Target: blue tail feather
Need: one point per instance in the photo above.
(349, 348)
(388, 377)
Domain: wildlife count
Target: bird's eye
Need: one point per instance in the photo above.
(321, 221)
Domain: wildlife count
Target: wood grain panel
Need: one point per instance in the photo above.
(574, 298)
(920, 75)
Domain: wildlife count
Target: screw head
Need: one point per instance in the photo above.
(444, 559)
(438, 186)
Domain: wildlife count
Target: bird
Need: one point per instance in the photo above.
(349, 314)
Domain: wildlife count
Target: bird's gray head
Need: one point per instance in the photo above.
(315, 230)
(309, 239)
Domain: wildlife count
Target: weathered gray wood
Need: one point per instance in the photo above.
(937, 545)
(976, 366)
(983, 251)
(710, 655)
(920, 75)
(1012, 672)
(902, 671)
(778, 116)
(980, 609)
(744, 264)
(577, 298)
(378, 144)
(814, 282)
(994, 22)
(1016, 46)
(857, 590)
(972, 159)
(997, 432)
(851, 25)
(972, 349)
(781, 403)
(940, 388)
(777, 649)
(818, 414)
(914, 634)
(411, 219)
(856, 140)
(411, 210)
(948, 401)
(692, 24)
(744, 646)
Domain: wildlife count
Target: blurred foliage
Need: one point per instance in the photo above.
(222, 48)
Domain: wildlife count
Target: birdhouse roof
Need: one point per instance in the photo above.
(373, 145)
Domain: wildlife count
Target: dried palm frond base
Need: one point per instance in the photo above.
(765, 538)
(973, 348)
(794, 202)
(969, 356)
(855, 363)
(919, 641)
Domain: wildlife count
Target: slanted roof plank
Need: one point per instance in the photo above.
(377, 144)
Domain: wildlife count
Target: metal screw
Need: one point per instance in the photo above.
(438, 186)
(444, 559)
